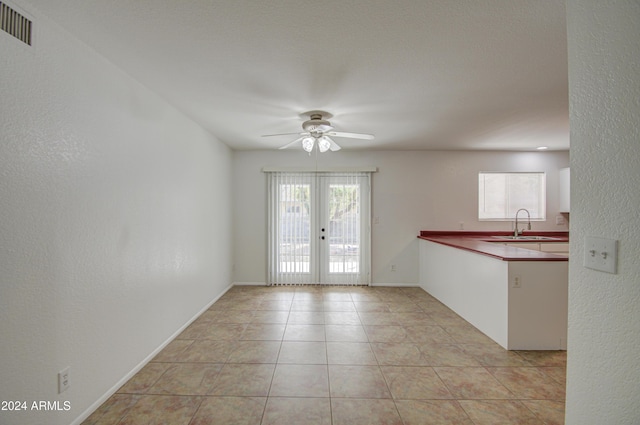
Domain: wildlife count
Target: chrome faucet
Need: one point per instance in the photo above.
(517, 232)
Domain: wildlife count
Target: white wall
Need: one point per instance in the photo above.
(412, 191)
(475, 286)
(604, 309)
(114, 226)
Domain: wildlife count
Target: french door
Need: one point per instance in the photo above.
(319, 228)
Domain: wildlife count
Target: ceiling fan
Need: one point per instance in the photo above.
(318, 132)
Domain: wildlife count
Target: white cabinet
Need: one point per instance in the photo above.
(526, 245)
(564, 189)
(553, 247)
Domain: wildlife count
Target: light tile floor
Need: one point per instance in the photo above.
(336, 356)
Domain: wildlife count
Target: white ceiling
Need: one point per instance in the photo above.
(419, 74)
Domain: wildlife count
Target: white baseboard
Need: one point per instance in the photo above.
(143, 363)
(396, 285)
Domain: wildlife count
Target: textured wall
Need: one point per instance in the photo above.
(114, 222)
(604, 312)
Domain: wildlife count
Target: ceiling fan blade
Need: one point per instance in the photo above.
(334, 146)
(350, 135)
(285, 134)
(292, 143)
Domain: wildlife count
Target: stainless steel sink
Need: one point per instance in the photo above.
(525, 238)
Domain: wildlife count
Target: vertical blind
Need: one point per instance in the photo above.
(318, 228)
(290, 209)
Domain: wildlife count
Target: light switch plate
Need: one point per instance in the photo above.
(601, 254)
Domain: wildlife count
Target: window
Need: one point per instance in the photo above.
(501, 195)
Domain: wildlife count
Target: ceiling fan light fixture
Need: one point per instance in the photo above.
(317, 130)
(307, 144)
(324, 144)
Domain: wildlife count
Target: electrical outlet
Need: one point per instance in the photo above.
(63, 380)
(393, 267)
(517, 282)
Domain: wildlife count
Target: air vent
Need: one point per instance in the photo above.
(15, 24)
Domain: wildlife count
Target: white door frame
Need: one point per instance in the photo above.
(333, 244)
(311, 257)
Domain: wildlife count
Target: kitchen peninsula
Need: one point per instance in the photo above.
(513, 289)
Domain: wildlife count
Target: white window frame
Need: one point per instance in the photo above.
(535, 204)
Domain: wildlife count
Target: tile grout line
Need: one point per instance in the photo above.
(275, 367)
(531, 365)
